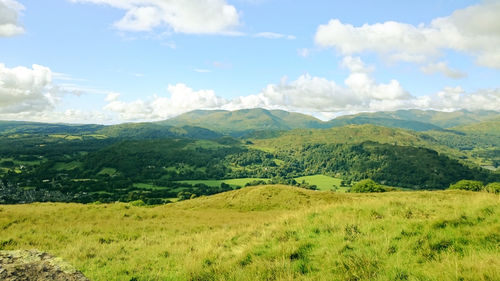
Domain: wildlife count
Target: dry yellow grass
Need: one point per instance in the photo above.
(271, 233)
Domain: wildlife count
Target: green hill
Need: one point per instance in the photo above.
(381, 121)
(263, 198)
(350, 134)
(243, 121)
(156, 131)
(423, 118)
(479, 141)
(20, 127)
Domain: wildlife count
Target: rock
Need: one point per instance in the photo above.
(36, 266)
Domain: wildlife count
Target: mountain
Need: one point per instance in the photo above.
(243, 121)
(247, 121)
(425, 118)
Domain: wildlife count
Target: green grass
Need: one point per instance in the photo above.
(321, 181)
(63, 166)
(270, 233)
(142, 185)
(107, 171)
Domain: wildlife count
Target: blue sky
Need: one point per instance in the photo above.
(110, 61)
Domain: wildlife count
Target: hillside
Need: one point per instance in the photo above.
(381, 121)
(239, 236)
(19, 127)
(243, 121)
(350, 134)
(479, 141)
(420, 120)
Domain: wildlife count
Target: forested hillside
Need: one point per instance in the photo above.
(153, 161)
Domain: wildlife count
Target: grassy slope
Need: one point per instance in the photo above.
(271, 233)
(352, 134)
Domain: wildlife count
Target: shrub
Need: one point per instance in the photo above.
(367, 185)
(493, 187)
(468, 185)
(138, 203)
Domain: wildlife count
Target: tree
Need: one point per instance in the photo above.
(367, 185)
(468, 185)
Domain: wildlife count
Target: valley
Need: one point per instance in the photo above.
(159, 163)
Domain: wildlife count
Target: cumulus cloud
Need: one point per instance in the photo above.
(305, 94)
(474, 30)
(29, 93)
(9, 13)
(182, 99)
(308, 94)
(183, 16)
(25, 89)
(442, 67)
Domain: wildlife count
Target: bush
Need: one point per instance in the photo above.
(367, 185)
(468, 185)
(493, 187)
(138, 203)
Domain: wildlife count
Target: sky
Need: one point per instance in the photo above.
(114, 61)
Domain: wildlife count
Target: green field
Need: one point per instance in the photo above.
(322, 182)
(270, 233)
(232, 182)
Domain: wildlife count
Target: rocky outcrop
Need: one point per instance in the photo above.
(36, 266)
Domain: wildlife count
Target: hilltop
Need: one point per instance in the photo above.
(242, 121)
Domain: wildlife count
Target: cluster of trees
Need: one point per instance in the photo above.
(367, 185)
(473, 185)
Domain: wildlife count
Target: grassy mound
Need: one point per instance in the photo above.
(262, 198)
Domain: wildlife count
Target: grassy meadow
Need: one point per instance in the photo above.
(322, 182)
(270, 233)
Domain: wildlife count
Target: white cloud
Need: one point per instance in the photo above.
(183, 16)
(305, 94)
(355, 64)
(30, 94)
(474, 30)
(442, 67)
(273, 35)
(308, 94)
(182, 99)
(26, 89)
(9, 13)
